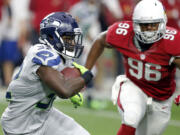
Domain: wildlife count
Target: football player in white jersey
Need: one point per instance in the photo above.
(151, 55)
(34, 88)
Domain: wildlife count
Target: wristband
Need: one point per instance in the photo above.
(87, 76)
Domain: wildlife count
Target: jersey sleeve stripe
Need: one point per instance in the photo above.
(37, 61)
(54, 62)
(8, 95)
(50, 63)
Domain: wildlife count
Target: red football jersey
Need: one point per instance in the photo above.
(151, 70)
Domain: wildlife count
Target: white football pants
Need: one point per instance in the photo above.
(147, 115)
(58, 124)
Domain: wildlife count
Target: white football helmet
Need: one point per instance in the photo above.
(149, 11)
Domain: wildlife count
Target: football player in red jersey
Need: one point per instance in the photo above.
(151, 52)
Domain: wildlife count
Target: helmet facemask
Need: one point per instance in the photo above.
(149, 12)
(149, 36)
(71, 44)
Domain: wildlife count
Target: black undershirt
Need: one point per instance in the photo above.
(141, 46)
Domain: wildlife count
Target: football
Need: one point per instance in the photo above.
(70, 72)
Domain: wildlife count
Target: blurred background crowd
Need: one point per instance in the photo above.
(19, 29)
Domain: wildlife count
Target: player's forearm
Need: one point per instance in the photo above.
(56, 82)
(66, 88)
(95, 52)
(73, 86)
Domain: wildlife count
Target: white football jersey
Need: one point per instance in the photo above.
(30, 99)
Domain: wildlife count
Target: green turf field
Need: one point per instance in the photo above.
(106, 121)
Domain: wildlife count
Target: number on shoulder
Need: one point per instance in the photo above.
(122, 29)
(170, 34)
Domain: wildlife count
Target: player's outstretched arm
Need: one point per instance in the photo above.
(56, 81)
(97, 49)
(177, 63)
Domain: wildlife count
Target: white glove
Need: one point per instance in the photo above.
(116, 87)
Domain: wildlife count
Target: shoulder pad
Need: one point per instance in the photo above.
(119, 32)
(44, 55)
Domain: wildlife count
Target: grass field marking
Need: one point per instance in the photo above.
(174, 123)
(105, 114)
(99, 113)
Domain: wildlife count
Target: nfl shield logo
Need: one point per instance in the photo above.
(142, 56)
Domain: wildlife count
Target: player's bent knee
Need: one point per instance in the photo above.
(133, 117)
(131, 120)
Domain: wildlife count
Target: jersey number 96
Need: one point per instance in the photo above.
(122, 29)
(150, 70)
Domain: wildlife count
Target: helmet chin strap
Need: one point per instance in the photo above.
(44, 41)
(67, 55)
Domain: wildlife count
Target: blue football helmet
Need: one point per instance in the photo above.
(54, 27)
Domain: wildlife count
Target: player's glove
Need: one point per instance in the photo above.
(81, 68)
(177, 100)
(85, 73)
(77, 100)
